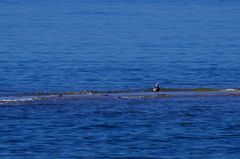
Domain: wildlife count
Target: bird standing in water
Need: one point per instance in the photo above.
(156, 88)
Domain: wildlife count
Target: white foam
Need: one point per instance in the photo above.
(230, 90)
(15, 100)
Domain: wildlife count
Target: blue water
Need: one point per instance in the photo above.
(59, 46)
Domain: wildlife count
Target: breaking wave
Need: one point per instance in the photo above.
(230, 90)
(6, 100)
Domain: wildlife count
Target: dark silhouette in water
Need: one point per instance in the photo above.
(156, 88)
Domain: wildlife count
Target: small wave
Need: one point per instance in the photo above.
(230, 90)
(16, 100)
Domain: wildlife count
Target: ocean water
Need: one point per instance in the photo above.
(65, 46)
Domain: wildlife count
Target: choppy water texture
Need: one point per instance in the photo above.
(59, 46)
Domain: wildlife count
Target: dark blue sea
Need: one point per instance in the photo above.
(56, 46)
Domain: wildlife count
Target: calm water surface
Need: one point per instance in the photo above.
(58, 46)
